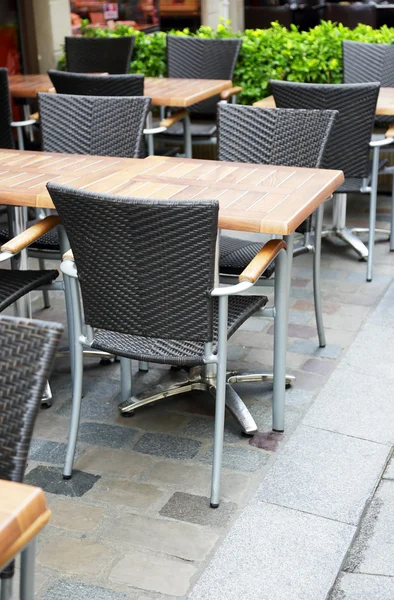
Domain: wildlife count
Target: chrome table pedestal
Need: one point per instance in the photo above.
(202, 379)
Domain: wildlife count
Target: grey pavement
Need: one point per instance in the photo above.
(321, 523)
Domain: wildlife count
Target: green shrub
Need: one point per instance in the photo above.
(313, 56)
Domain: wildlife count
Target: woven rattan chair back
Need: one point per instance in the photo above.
(6, 138)
(27, 351)
(351, 15)
(95, 125)
(145, 267)
(273, 136)
(99, 55)
(363, 63)
(197, 58)
(348, 146)
(80, 84)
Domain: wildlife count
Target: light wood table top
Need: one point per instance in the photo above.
(259, 198)
(23, 513)
(385, 104)
(164, 91)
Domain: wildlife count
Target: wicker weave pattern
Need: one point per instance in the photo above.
(6, 139)
(146, 267)
(363, 62)
(15, 284)
(48, 241)
(27, 351)
(198, 58)
(178, 352)
(236, 253)
(93, 125)
(348, 146)
(99, 55)
(97, 85)
(277, 136)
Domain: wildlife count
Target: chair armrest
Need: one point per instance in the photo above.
(390, 132)
(260, 262)
(383, 142)
(154, 130)
(68, 255)
(225, 95)
(29, 236)
(174, 118)
(35, 116)
(23, 123)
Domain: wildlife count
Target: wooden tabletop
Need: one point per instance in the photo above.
(23, 513)
(260, 198)
(164, 91)
(385, 104)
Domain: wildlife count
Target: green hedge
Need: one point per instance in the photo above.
(275, 53)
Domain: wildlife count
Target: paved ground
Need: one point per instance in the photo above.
(134, 522)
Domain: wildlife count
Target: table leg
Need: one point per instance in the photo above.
(283, 269)
(187, 132)
(27, 571)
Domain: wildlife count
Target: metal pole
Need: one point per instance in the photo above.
(316, 276)
(280, 339)
(372, 211)
(27, 571)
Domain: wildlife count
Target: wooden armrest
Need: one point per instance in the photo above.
(260, 262)
(35, 116)
(267, 102)
(29, 236)
(23, 513)
(225, 95)
(390, 132)
(68, 255)
(174, 118)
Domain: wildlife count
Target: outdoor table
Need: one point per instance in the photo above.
(23, 513)
(256, 198)
(384, 106)
(164, 91)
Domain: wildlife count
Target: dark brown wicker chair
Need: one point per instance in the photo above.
(99, 55)
(261, 17)
(27, 352)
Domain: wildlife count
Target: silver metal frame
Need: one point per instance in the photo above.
(212, 376)
(27, 575)
(350, 236)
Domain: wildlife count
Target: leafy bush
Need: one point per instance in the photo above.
(313, 56)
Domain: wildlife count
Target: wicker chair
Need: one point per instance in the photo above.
(97, 85)
(99, 55)
(152, 298)
(261, 17)
(199, 58)
(27, 351)
(280, 137)
(348, 148)
(363, 63)
(6, 122)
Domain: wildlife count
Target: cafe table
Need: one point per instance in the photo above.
(384, 106)
(164, 91)
(264, 199)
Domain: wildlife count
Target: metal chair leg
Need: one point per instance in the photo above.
(45, 293)
(220, 405)
(6, 588)
(372, 212)
(125, 379)
(316, 277)
(392, 218)
(27, 571)
(77, 381)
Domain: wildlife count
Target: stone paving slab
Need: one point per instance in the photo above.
(373, 550)
(356, 586)
(325, 473)
(274, 553)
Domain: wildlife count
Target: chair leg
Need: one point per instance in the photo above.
(126, 386)
(220, 406)
(372, 212)
(45, 293)
(77, 379)
(283, 263)
(27, 571)
(316, 277)
(6, 588)
(143, 366)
